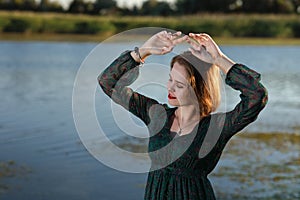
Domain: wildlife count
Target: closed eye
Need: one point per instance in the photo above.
(179, 86)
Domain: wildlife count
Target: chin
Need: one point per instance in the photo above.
(173, 102)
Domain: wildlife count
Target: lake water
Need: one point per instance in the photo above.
(42, 156)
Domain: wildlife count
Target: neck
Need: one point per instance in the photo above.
(187, 114)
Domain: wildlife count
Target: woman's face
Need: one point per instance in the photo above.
(180, 93)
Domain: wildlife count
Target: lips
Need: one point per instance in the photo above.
(171, 97)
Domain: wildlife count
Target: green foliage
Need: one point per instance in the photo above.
(155, 8)
(93, 27)
(57, 25)
(296, 29)
(217, 25)
(263, 28)
(77, 6)
(104, 6)
(188, 6)
(158, 8)
(248, 6)
(18, 5)
(16, 25)
(50, 6)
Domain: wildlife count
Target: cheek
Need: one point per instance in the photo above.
(187, 95)
(182, 94)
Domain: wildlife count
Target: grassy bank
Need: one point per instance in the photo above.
(272, 29)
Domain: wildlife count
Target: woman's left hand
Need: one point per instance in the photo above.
(204, 48)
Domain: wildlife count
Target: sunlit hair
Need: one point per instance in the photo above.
(204, 78)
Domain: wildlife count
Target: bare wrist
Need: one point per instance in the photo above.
(144, 52)
(224, 63)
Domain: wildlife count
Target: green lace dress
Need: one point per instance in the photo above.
(180, 164)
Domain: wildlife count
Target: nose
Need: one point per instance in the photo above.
(170, 87)
(171, 90)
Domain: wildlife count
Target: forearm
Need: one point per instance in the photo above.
(254, 97)
(247, 81)
(224, 63)
(115, 72)
(114, 81)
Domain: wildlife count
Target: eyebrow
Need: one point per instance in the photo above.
(177, 81)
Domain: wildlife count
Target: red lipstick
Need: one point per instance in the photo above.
(171, 97)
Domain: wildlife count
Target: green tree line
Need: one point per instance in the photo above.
(220, 25)
(157, 8)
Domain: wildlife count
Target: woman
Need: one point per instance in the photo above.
(186, 141)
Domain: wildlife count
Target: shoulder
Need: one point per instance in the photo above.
(161, 108)
(216, 120)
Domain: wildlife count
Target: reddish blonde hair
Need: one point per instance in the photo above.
(204, 78)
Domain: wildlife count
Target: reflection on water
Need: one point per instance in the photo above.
(37, 128)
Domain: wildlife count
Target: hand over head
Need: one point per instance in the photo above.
(162, 43)
(204, 47)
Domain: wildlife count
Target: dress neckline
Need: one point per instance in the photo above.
(174, 134)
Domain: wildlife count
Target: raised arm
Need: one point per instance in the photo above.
(124, 70)
(253, 95)
(114, 81)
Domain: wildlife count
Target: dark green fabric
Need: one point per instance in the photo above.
(181, 164)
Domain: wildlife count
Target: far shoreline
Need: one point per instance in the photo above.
(85, 38)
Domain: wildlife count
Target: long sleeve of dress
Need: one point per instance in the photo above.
(223, 126)
(253, 96)
(114, 81)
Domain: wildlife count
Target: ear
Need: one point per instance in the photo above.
(193, 81)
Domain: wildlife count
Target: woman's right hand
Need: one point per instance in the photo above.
(161, 43)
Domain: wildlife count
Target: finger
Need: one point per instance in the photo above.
(197, 43)
(165, 50)
(192, 34)
(201, 37)
(166, 41)
(193, 41)
(164, 35)
(180, 40)
(161, 34)
(194, 45)
(176, 34)
(205, 35)
(194, 52)
(198, 38)
(170, 35)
